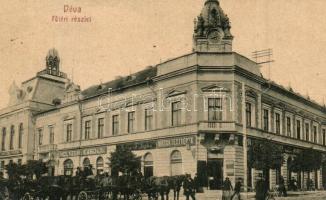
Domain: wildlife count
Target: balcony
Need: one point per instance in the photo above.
(47, 148)
(220, 126)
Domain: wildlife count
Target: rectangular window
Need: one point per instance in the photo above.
(266, 120)
(248, 114)
(131, 122)
(3, 140)
(215, 110)
(298, 129)
(100, 128)
(176, 113)
(40, 136)
(115, 124)
(12, 137)
(51, 134)
(21, 132)
(87, 129)
(315, 135)
(288, 126)
(277, 123)
(148, 119)
(307, 131)
(69, 133)
(324, 137)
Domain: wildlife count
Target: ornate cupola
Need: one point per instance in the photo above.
(52, 62)
(212, 29)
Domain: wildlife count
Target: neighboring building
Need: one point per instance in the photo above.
(185, 115)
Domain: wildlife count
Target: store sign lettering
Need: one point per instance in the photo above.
(176, 142)
(8, 153)
(161, 143)
(83, 152)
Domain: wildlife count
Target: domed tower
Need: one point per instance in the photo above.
(212, 29)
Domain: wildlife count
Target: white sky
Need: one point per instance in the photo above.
(122, 34)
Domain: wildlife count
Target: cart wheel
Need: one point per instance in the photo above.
(82, 195)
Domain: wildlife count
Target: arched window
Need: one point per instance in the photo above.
(12, 136)
(86, 162)
(99, 165)
(176, 163)
(21, 132)
(68, 167)
(148, 165)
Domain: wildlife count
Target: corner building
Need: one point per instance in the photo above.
(197, 113)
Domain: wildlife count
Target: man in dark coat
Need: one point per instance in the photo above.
(189, 187)
(226, 190)
(237, 188)
(261, 188)
(282, 187)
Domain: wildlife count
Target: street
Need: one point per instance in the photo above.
(217, 195)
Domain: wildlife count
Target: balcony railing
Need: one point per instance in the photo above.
(47, 148)
(217, 126)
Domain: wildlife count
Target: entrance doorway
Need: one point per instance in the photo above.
(215, 173)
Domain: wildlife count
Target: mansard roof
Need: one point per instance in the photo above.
(140, 77)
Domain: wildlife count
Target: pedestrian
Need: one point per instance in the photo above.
(196, 181)
(189, 187)
(237, 189)
(226, 190)
(4, 193)
(295, 184)
(177, 183)
(282, 188)
(261, 188)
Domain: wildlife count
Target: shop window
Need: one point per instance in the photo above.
(148, 165)
(99, 165)
(68, 167)
(176, 163)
